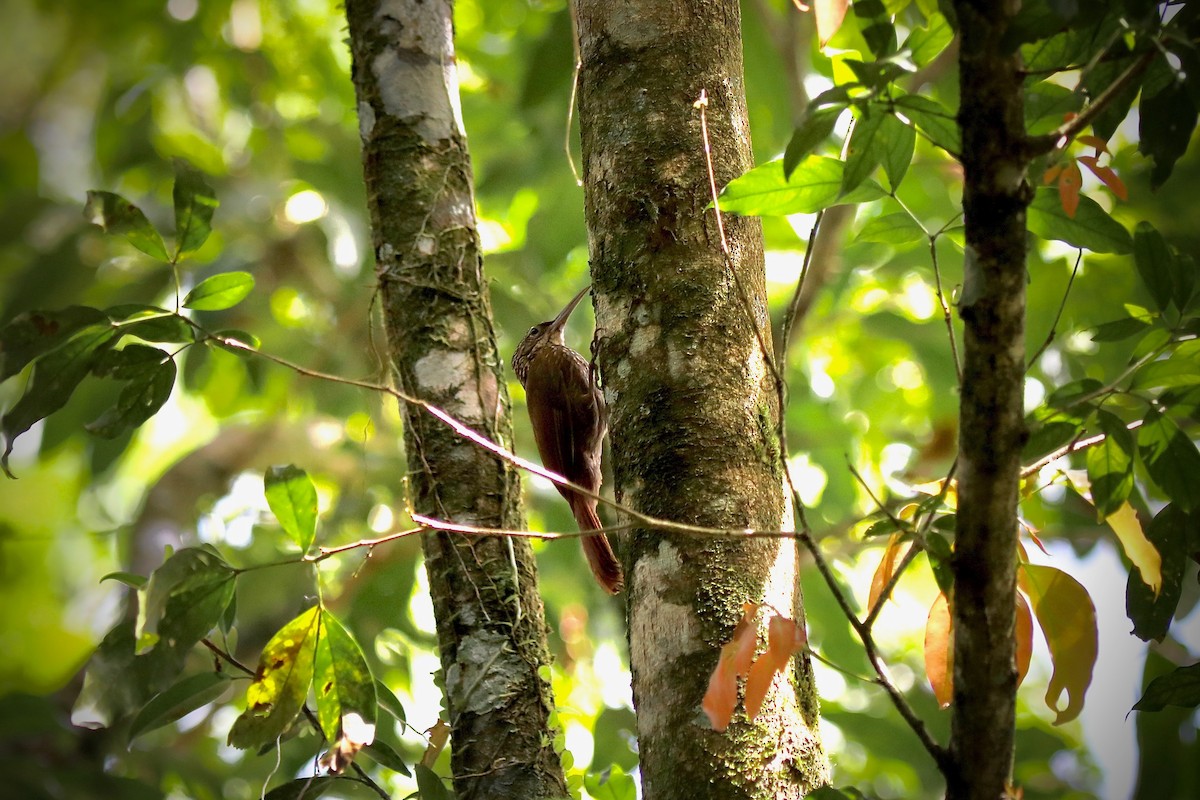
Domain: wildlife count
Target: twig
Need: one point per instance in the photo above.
(940, 754)
(702, 105)
(1057, 317)
(1060, 138)
(946, 315)
(1073, 447)
(574, 93)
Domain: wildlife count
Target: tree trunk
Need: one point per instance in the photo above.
(991, 425)
(691, 399)
(490, 621)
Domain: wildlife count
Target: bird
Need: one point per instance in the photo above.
(569, 419)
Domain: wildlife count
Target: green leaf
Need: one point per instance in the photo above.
(36, 333)
(55, 377)
(616, 785)
(898, 228)
(389, 702)
(184, 599)
(151, 323)
(1171, 459)
(940, 555)
(131, 362)
(306, 788)
(927, 43)
(386, 756)
(816, 184)
(118, 682)
(1049, 429)
(127, 578)
(1091, 228)
(1068, 620)
(1166, 120)
(1119, 329)
(1070, 394)
(877, 74)
(1045, 106)
(221, 291)
(1178, 688)
(815, 128)
(429, 784)
(1151, 612)
(183, 698)
(1096, 81)
(1174, 372)
(281, 682)
(932, 119)
(1155, 263)
(831, 793)
(141, 399)
(1110, 466)
(865, 149)
(195, 202)
(343, 681)
(223, 338)
(899, 142)
(293, 500)
(119, 217)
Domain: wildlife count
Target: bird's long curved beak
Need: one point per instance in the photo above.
(561, 320)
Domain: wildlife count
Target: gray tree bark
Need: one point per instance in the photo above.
(691, 398)
(490, 621)
(991, 421)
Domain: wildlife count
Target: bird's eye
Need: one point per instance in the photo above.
(533, 330)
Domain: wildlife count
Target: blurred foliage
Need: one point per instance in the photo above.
(257, 96)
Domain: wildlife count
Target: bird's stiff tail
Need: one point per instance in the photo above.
(596, 547)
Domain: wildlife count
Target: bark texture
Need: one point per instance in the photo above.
(691, 399)
(991, 424)
(491, 627)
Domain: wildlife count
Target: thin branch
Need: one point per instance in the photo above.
(946, 315)
(702, 105)
(940, 754)
(1060, 138)
(574, 93)
(1057, 317)
(1068, 449)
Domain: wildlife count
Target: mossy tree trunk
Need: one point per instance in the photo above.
(991, 423)
(691, 398)
(490, 621)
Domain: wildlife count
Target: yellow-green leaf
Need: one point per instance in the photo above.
(285, 671)
(1067, 617)
(1138, 549)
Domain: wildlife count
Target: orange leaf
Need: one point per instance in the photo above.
(830, 14)
(745, 636)
(784, 639)
(939, 650)
(737, 655)
(758, 683)
(1069, 183)
(1051, 173)
(1024, 637)
(1068, 620)
(1093, 141)
(721, 696)
(1107, 176)
(885, 570)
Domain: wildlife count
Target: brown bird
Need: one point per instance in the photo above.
(567, 412)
